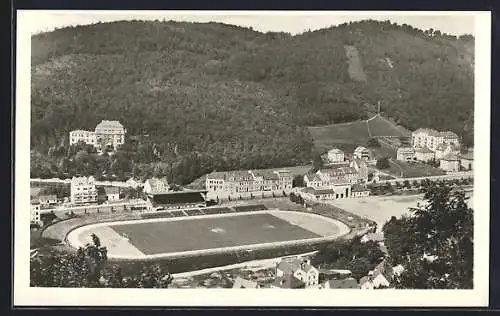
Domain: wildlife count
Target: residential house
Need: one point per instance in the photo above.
(445, 149)
(362, 153)
(312, 194)
(380, 277)
(335, 155)
(450, 163)
(155, 185)
(240, 283)
(339, 179)
(467, 160)
(359, 190)
(83, 190)
(425, 137)
(87, 137)
(331, 274)
(288, 282)
(361, 168)
(47, 200)
(398, 270)
(406, 154)
(349, 283)
(366, 283)
(301, 269)
(424, 154)
(377, 237)
(112, 193)
(134, 183)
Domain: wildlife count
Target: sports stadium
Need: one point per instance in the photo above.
(210, 230)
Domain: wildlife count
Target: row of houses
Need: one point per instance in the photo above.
(237, 182)
(337, 181)
(299, 273)
(336, 155)
(431, 145)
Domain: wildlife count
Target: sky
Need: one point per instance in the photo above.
(294, 22)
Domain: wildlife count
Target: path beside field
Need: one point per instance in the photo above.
(254, 265)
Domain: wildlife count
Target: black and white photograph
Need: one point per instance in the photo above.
(252, 158)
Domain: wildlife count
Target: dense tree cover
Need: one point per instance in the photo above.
(88, 267)
(383, 163)
(435, 244)
(352, 254)
(373, 143)
(218, 97)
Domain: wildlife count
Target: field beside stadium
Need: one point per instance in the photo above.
(174, 237)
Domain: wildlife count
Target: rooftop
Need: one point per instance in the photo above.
(112, 190)
(335, 151)
(469, 155)
(109, 124)
(288, 282)
(349, 283)
(235, 175)
(424, 150)
(47, 197)
(406, 149)
(360, 148)
(433, 132)
(290, 266)
(450, 157)
(179, 197)
(240, 283)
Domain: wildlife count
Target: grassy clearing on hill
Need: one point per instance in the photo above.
(355, 133)
(326, 137)
(380, 126)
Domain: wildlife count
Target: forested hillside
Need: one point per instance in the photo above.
(211, 96)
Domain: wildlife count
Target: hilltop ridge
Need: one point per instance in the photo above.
(214, 96)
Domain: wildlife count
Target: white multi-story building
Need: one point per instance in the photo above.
(83, 190)
(362, 153)
(426, 137)
(87, 137)
(339, 179)
(250, 181)
(335, 155)
(155, 186)
(406, 154)
(110, 133)
(107, 133)
(35, 214)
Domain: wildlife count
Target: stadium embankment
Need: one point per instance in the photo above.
(309, 221)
